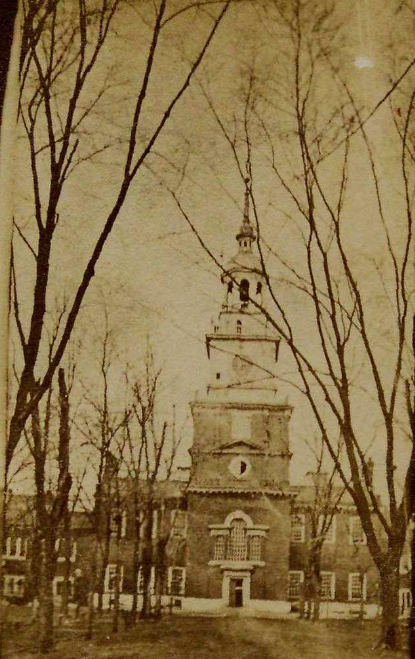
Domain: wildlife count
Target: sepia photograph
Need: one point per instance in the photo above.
(207, 386)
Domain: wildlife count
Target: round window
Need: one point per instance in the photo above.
(240, 466)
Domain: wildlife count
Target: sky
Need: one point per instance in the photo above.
(153, 279)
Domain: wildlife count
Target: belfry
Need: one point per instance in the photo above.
(239, 496)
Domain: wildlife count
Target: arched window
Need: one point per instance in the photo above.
(230, 286)
(244, 290)
(259, 288)
(238, 541)
(239, 327)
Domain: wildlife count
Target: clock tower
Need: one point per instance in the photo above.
(239, 495)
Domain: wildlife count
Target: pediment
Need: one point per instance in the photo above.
(240, 446)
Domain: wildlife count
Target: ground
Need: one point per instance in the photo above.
(213, 638)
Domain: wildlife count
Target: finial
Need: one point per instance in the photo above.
(246, 206)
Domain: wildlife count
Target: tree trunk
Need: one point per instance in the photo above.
(67, 540)
(316, 597)
(116, 611)
(46, 604)
(389, 597)
(315, 579)
(158, 590)
(136, 569)
(104, 563)
(147, 561)
(412, 613)
(302, 599)
(91, 593)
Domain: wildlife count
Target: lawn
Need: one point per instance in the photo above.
(214, 638)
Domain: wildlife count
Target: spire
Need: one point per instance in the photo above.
(246, 235)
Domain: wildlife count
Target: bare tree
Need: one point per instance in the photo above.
(150, 465)
(320, 510)
(343, 357)
(63, 43)
(100, 429)
(50, 504)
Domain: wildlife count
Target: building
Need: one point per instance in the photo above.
(239, 499)
(239, 531)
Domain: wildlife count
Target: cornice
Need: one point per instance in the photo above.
(281, 407)
(238, 491)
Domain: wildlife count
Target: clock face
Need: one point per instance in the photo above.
(241, 366)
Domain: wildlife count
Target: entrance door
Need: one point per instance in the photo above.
(236, 598)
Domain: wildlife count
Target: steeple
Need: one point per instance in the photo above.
(246, 234)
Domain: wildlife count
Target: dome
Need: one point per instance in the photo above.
(244, 261)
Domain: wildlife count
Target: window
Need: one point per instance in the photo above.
(230, 286)
(327, 585)
(237, 541)
(218, 376)
(16, 548)
(123, 523)
(58, 586)
(295, 579)
(111, 577)
(405, 564)
(60, 550)
(239, 327)
(330, 532)
(13, 585)
(140, 515)
(255, 548)
(259, 288)
(405, 600)
(239, 466)
(244, 290)
(297, 528)
(176, 580)
(178, 523)
(140, 580)
(357, 535)
(219, 549)
(241, 425)
(357, 586)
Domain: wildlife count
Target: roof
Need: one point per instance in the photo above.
(244, 261)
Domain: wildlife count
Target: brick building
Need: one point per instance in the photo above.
(239, 529)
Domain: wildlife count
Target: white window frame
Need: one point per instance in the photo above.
(291, 573)
(405, 564)
(350, 589)
(72, 557)
(108, 570)
(20, 551)
(61, 579)
(330, 537)
(181, 531)
(170, 579)
(12, 578)
(332, 585)
(152, 580)
(301, 517)
(363, 540)
(142, 520)
(258, 539)
(123, 523)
